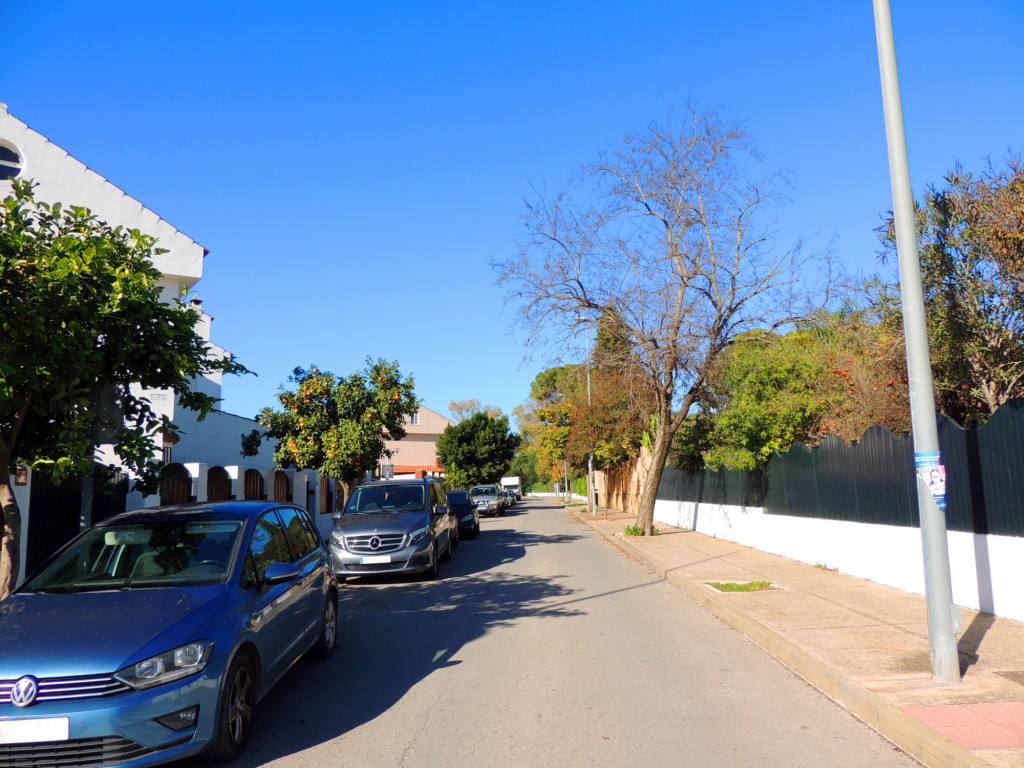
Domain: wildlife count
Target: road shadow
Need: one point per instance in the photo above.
(394, 633)
(494, 547)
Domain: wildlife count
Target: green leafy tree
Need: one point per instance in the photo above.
(971, 234)
(774, 398)
(527, 461)
(544, 420)
(838, 375)
(552, 439)
(338, 425)
(82, 320)
(524, 466)
(478, 449)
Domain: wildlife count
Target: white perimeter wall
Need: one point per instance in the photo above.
(987, 571)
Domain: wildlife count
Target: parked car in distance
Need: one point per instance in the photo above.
(152, 635)
(510, 497)
(488, 499)
(464, 511)
(393, 526)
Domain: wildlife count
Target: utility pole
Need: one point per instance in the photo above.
(938, 585)
(591, 485)
(565, 459)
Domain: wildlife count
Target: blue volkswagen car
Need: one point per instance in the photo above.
(151, 636)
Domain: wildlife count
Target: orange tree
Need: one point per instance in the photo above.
(337, 425)
(82, 319)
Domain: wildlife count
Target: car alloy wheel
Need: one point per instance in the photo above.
(328, 630)
(431, 573)
(234, 714)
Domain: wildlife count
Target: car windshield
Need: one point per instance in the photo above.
(484, 490)
(179, 553)
(386, 498)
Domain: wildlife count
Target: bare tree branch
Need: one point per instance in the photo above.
(666, 239)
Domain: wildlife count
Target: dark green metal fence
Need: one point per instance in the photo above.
(873, 480)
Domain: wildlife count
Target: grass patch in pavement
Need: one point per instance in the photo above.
(742, 586)
(636, 530)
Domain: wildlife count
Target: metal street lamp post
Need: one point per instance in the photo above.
(565, 462)
(938, 588)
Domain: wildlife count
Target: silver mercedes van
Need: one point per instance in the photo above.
(393, 526)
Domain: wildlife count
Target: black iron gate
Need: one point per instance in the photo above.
(55, 511)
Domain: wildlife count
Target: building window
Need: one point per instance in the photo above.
(10, 162)
(415, 419)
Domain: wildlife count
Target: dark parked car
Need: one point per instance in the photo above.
(393, 526)
(488, 499)
(464, 511)
(152, 635)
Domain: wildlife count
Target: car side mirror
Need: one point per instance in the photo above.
(336, 516)
(279, 573)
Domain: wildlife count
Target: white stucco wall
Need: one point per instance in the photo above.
(62, 178)
(986, 570)
(217, 440)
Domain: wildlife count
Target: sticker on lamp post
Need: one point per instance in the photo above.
(930, 469)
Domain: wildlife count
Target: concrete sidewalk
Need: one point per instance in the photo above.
(862, 644)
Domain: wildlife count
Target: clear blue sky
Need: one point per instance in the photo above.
(353, 168)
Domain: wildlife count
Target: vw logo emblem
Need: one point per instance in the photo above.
(375, 542)
(24, 691)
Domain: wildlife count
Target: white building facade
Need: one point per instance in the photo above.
(207, 459)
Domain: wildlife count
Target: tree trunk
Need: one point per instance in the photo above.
(10, 529)
(659, 456)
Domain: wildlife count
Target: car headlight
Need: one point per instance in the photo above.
(337, 540)
(171, 665)
(418, 535)
(492, 504)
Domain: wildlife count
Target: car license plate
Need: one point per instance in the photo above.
(28, 731)
(375, 559)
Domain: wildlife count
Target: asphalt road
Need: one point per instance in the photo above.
(543, 645)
